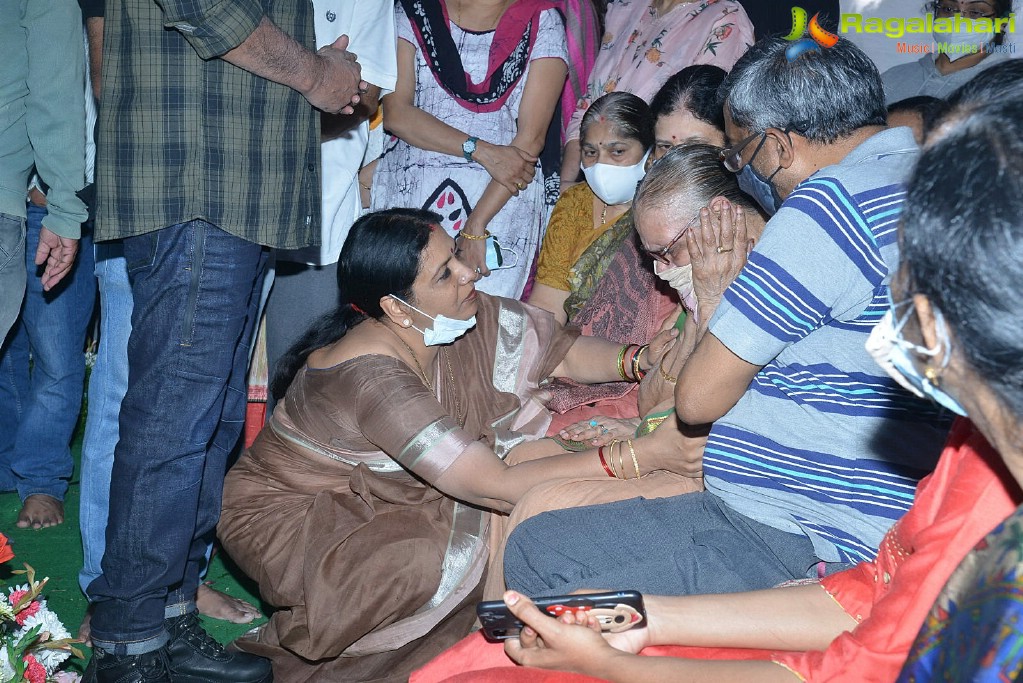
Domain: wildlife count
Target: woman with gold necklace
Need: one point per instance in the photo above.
(362, 508)
(617, 136)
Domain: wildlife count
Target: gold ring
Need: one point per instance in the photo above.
(520, 186)
(722, 250)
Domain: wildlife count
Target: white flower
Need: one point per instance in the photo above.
(48, 623)
(6, 671)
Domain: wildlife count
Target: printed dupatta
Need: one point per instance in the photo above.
(509, 53)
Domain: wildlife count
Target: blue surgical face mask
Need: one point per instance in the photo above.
(760, 188)
(496, 255)
(892, 353)
(445, 330)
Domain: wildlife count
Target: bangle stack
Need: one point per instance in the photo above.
(463, 234)
(634, 353)
(608, 463)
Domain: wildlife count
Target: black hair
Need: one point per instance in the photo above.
(962, 239)
(824, 95)
(695, 89)
(627, 113)
(381, 255)
(1003, 81)
(928, 108)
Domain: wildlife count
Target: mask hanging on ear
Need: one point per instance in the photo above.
(445, 330)
(891, 352)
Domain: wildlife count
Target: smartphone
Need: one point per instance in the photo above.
(616, 611)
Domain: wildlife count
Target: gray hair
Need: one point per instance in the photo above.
(688, 175)
(823, 95)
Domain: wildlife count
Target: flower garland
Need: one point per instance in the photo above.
(33, 641)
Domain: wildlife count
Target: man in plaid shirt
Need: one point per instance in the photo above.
(208, 153)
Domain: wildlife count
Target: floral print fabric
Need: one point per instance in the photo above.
(641, 50)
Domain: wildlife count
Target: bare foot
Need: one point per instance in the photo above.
(85, 630)
(39, 511)
(217, 605)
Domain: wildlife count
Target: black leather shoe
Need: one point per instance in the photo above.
(152, 667)
(195, 657)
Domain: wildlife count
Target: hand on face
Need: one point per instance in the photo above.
(718, 250)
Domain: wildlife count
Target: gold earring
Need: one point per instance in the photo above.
(933, 376)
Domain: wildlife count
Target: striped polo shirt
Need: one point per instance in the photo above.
(824, 442)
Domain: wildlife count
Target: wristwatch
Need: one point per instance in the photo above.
(468, 147)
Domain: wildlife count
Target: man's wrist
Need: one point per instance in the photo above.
(309, 77)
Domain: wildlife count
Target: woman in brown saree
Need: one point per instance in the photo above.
(362, 508)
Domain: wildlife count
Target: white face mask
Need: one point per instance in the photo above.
(963, 43)
(497, 254)
(891, 352)
(615, 184)
(680, 278)
(445, 330)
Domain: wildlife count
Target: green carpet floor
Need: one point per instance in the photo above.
(57, 553)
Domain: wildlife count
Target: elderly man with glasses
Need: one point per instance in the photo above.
(813, 451)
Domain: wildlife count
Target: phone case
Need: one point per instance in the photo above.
(616, 611)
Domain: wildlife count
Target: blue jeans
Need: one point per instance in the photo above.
(195, 290)
(107, 384)
(39, 409)
(12, 270)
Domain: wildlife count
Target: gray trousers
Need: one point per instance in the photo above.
(685, 545)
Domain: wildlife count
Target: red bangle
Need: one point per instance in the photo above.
(603, 463)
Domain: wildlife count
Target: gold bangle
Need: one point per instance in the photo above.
(465, 235)
(621, 463)
(665, 376)
(635, 460)
(611, 457)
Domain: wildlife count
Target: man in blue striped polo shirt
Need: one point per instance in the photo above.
(814, 450)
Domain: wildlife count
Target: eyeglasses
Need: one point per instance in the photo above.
(661, 255)
(949, 9)
(731, 157)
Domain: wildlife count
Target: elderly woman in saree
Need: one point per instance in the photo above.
(362, 507)
(687, 190)
(941, 601)
(607, 288)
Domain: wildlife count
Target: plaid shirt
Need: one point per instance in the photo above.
(183, 135)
